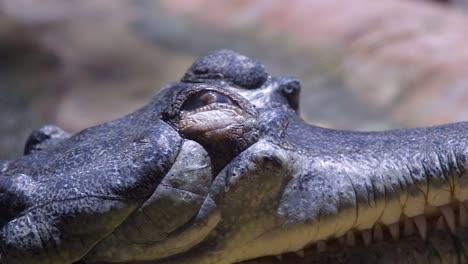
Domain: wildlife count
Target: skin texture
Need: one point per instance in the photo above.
(58, 202)
(137, 190)
(108, 188)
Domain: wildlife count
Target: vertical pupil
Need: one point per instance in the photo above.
(209, 98)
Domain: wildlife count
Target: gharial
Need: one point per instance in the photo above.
(220, 168)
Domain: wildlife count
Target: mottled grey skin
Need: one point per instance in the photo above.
(57, 203)
(134, 190)
(126, 182)
(179, 214)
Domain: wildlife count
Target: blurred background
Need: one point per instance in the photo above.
(365, 64)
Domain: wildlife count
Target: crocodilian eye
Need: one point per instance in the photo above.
(204, 98)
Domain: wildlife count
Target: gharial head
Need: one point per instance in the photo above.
(133, 189)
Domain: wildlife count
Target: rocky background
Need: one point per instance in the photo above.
(365, 64)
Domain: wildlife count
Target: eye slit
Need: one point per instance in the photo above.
(204, 98)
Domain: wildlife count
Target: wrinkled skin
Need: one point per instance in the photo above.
(100, 192)
(58, 201)
(136, 190)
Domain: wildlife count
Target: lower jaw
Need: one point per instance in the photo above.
(440, 247)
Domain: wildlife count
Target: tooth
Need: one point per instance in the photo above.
(462, 215)
(421, 225)
(321, 246)
(366, 236)
(279, 257)
(440, 225)
(378, 233)
(408, 227)
(350, 238)
(449, 217)
(300, 253)
(394, 231)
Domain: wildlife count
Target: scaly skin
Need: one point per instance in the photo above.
(58, 202)
(100, 193)
(279, 185)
